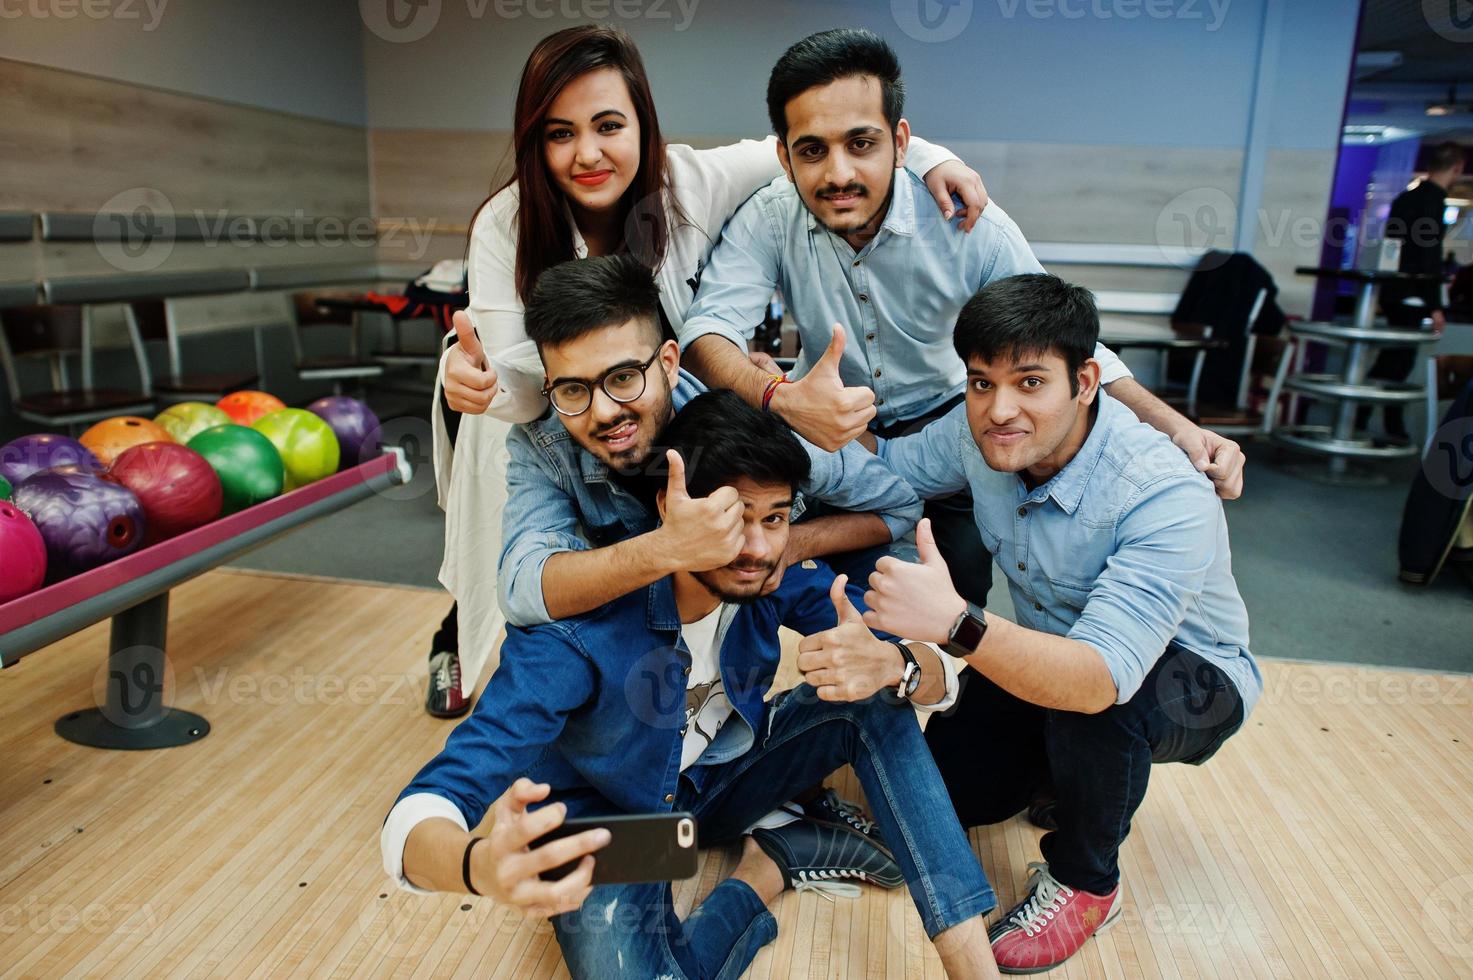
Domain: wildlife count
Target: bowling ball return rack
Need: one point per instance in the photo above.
(133, 592)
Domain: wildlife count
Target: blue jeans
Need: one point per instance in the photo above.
(632, 930)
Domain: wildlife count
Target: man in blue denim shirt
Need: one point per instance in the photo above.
(575, 537)
(1131, 645)
(874, 274)
(589, 711)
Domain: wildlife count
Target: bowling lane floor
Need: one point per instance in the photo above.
(1330, 838)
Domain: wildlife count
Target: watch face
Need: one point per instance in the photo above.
(913, 683)
(967, 637)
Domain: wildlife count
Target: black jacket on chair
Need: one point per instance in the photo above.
(1220, 294)
(1437, 507)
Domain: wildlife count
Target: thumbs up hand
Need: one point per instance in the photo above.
(916, 601)
(700, 533)
(848, 662)
(470, 383)
(820, 408)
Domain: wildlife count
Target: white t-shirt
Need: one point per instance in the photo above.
(706, 705)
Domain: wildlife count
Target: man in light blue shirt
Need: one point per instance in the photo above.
(1131, 645)
(874, 275)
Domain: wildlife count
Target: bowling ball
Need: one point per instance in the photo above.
(308, 447)
(177, 487)
(248, 465)
(186, 420)
(353, 423)
(244, 407)
(111, 436)
(85, 520)
(23, 457)
(22, 554)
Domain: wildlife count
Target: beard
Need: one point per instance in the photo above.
(855, 222)
(632, 461)
(738, 598)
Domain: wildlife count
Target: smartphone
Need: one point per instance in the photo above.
(644, 847)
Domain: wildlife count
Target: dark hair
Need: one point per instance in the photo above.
(826, 57)
(578, 297)
(544, 236)
(1445, 156)
(1028, 315)
(721, 438)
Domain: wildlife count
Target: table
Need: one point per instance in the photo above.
(1350, 389)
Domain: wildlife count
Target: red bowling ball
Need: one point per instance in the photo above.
(22, 554)
(178, 489)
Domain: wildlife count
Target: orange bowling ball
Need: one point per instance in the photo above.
(244, 407)
(108, 438)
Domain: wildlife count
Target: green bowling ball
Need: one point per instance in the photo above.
(186, 420)
(5, 488)
(248, 465)
(307, 444)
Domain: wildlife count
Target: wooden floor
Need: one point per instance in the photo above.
(1332, 837)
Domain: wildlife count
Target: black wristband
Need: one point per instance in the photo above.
(465, 866)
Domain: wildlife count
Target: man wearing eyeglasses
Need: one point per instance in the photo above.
(577, 531)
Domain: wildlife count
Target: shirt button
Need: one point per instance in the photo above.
(877, 372)
(1022, 567)
(669, 797)
(869, 336)
(879, 401)
(1037, 605)
(687, 672)
(856, 263)
(1022, 511)
(864, 297)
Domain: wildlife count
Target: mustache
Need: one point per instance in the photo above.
(857, 190)
(752, 566)
(620, 420)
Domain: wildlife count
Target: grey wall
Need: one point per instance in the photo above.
(299, 57)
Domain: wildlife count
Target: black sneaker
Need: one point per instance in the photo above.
(444, 698)
(818, 857)
(1041, 814)
(831, 810)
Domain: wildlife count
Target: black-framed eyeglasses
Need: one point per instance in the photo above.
(624, 383)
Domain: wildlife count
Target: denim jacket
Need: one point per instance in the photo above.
(594, 705)
(560, 497)
(1125, 548)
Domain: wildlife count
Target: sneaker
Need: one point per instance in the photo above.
(1050, 924)
(1041, 814)
(831, 810)
(817, 857)
(444, 698)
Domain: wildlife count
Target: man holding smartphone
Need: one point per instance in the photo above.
(654, 703)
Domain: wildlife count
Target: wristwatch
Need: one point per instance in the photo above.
(910, 675)
(966, 633)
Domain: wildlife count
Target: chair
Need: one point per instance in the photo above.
(156, 320)
(54, 334)
(337, 368)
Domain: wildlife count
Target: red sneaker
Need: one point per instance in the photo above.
(1050, 924)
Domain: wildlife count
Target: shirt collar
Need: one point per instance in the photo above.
(899, 220)
(1067, 486)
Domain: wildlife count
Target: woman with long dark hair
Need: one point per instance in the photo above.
(593, 176)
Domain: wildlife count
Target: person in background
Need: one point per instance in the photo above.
(1416, 220)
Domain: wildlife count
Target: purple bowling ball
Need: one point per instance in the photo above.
(84, 520)
(29, 455)
(353, 423)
